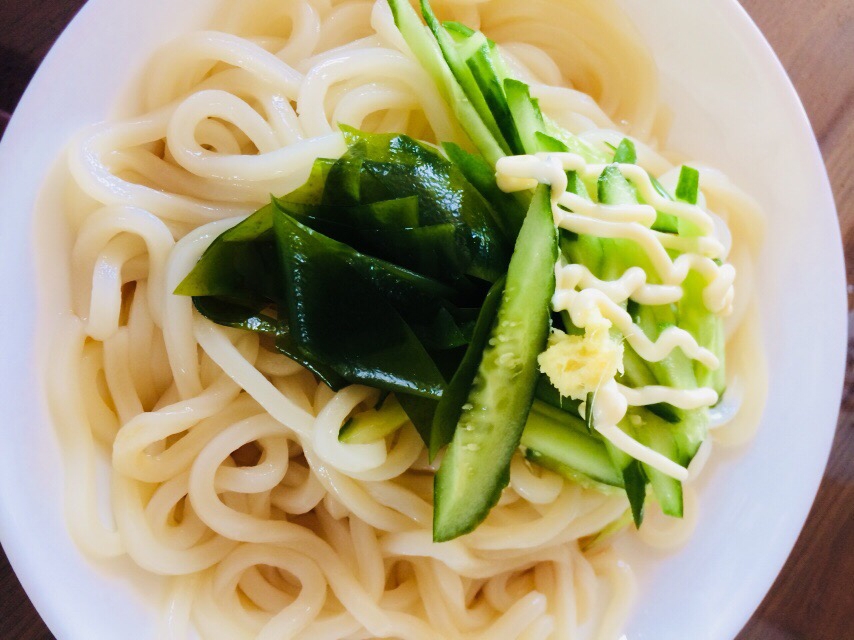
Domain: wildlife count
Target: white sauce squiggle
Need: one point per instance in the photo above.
(578, 291)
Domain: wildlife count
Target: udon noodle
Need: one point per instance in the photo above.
(226, 471)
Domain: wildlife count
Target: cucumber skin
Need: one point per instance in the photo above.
(448, 410)
(569, 473)
(526, 114)
(429, 55)
(657, 434)
(575, 454)
(463, 75)
(476, 465)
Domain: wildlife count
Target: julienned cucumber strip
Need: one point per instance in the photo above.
(581, 456)
(485, 63)
(677, 371)
(424, 48)
(637, 374)
(688, 190)
(476, 464)
(526, 114)
(570, 473)
(706, 327)
(573, 143)
(614, 189)
(688, 187)
(550, 144)
(549, 395)
(627, 154)
(463, 74)
(634, 480)
(656, 434)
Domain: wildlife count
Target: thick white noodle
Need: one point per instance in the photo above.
(227, 473)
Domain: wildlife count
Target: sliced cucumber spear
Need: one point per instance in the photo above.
(627, 154)
(706, 327)
(489, 71)
(526, 114)
(476, 464)
(451, 404)
(426, 49)
(656, 434)
(464, 77)
(558, 441)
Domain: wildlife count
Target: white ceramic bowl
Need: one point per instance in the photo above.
(735, 108)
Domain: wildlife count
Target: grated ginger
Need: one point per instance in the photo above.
(579, 364)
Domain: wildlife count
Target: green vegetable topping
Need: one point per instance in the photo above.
(404, 267)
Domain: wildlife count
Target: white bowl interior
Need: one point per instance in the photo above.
(735, 109)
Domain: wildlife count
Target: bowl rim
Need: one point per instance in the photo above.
(19, 548)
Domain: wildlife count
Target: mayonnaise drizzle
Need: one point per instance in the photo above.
(577, 303)
(578, 291)
(681, 398)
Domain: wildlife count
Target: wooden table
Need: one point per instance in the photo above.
(813, 598)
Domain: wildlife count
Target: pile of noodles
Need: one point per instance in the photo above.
(226, 471)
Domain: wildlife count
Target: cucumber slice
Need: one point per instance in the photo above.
(657, 435)
(664, 222)
(570, 450)
(573, 143)
(450, 405)
(548, 395)
(459, 31)
(586, 250)
(688, 187)
(677, 371)
(659, 187)
(463, 74)
(565, 471)
(484, 61)
(526, 114)
(550, 144)
(614, 188)
(626, 153)
(709, 331)
(430, 56)
(374, 424)
(636, 373)
(634, 480)
(476, 464)
(706, 327)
